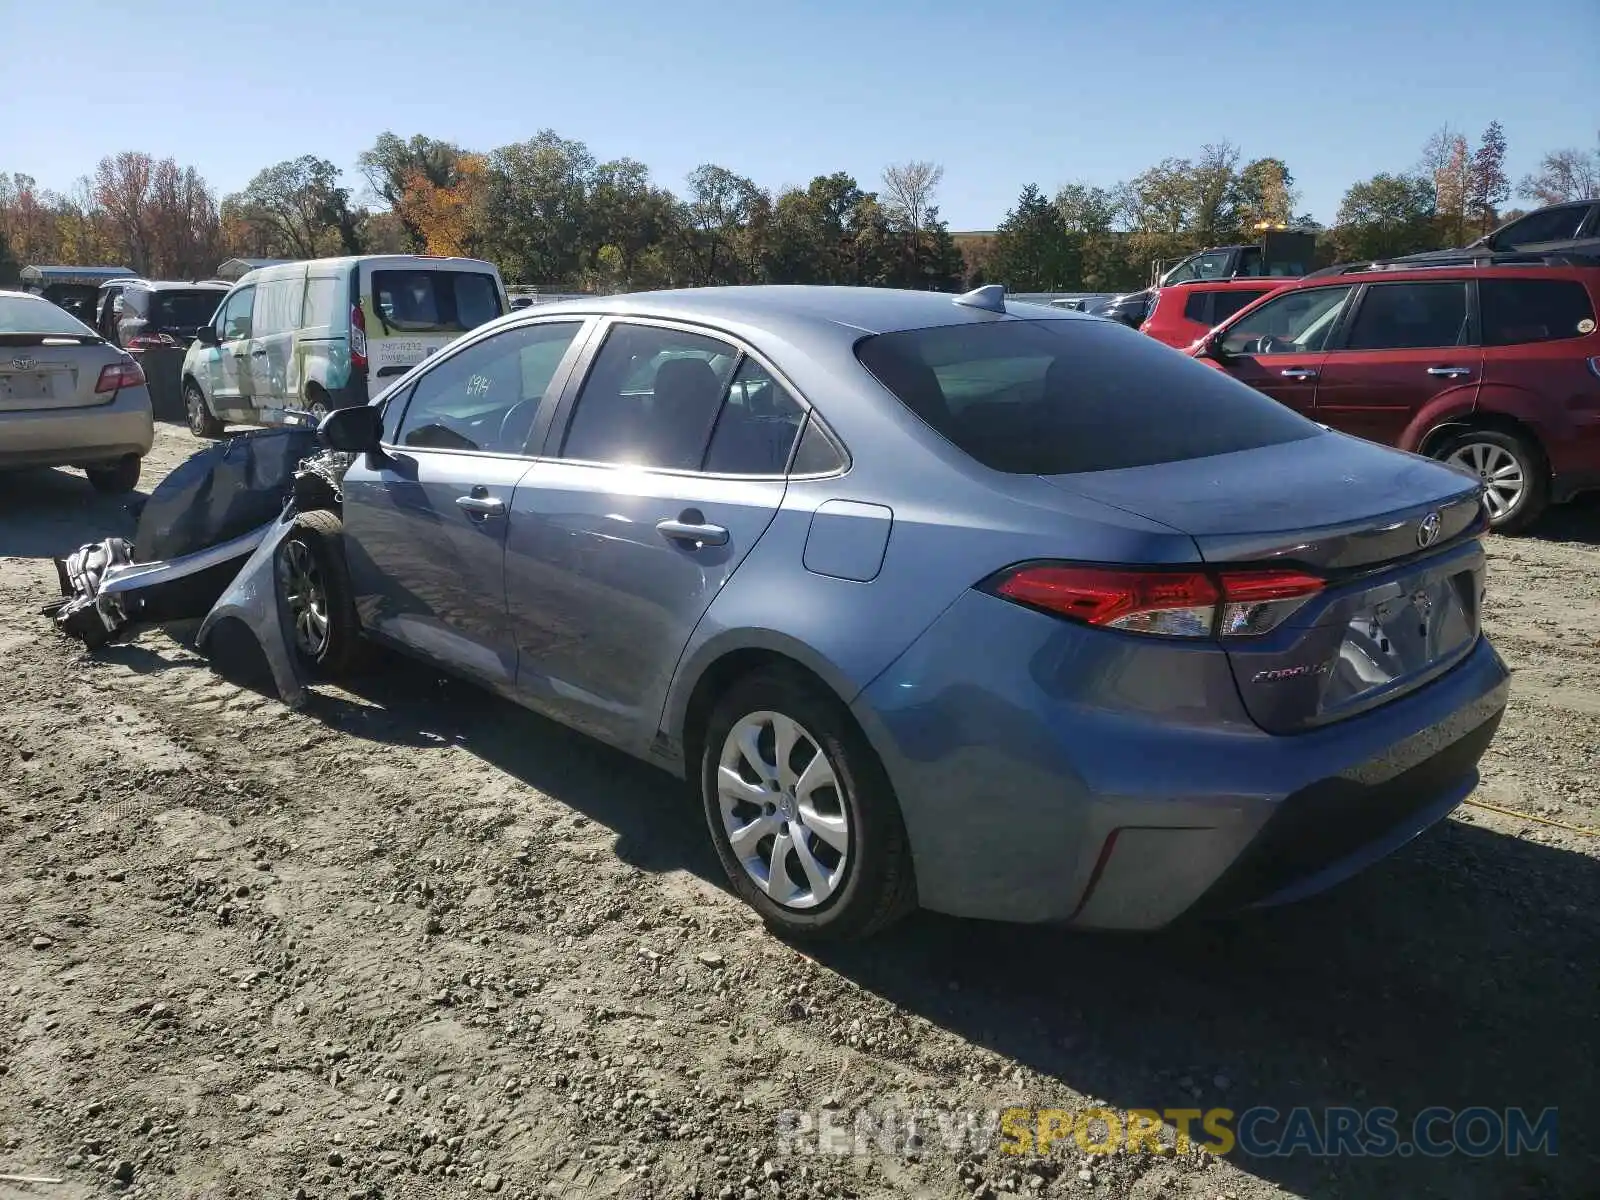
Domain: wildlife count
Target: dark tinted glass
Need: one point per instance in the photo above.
(816, 455)
(1196, 306)
(178, 310)
(757, 426)
(1054, 397)
(1552, 225)
(1410, 316)
(1517, 311)
(1227, 303)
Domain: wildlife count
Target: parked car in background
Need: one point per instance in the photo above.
(318, 335)
(107, 309)
(1557, 228)
(156, 321)
(934, 602)
(1493, 366)
(74, 289)
(1130, 308)
(1183, 313)
(1281, 254)
(68, 398)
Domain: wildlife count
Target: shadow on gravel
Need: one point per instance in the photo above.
(48, 513)
(1576, 522)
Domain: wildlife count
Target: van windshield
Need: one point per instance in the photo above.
(423, 301)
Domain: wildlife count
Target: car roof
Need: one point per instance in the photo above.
(861, 309)
(187, 285)
(1359, 273)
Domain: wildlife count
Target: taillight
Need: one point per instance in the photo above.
(358, 338)
(150, 341)
(1167, 603)
(120, 374)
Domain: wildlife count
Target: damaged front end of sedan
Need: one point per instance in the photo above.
(207, 547)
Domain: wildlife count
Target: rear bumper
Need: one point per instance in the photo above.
(78, 437)
(1050, 773)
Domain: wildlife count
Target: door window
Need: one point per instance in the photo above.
(1296, 323)
(1549, 225)
(1518, 311)
(651, 398)
(757, 426)
(1410, 316)
(487, 397)
(236, 313)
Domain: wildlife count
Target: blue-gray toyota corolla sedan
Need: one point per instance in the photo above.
(999, 610)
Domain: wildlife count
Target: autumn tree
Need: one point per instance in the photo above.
(1447, 163)
(447, 218)
(1564, 175)
(299, 209)
(1487, 185)
(392, 166)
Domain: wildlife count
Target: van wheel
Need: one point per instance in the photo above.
(201, 423)
(1515, 480)
(314, 582)
(317, 403)
(115, 478)
(801, 811)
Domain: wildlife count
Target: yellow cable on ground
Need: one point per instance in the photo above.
(1511, 812)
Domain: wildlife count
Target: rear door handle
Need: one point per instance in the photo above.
(481, 506)
(258, 354)
(1450, 372)
(693, 531)
(1298, 373)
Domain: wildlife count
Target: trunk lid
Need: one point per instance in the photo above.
(40, 373)
(1394, 535)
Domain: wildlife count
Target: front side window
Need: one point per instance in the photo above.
(487, 397)
(1518, 311)
(1059, 397)
(1551, 225)
(651, 398)
(1410, 316)
(423, 301)
(236, 315)
(1296, 323)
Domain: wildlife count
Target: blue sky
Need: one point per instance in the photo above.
(1001, 94)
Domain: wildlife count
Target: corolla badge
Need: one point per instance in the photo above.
(1428, 531)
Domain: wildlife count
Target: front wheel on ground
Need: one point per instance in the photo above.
(801, 811)
(314, 582)
(201, 423)
(1515, 481)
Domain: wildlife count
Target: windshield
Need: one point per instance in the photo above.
(425, 301)
(1056, 397)
(31, 314)
(184, 310)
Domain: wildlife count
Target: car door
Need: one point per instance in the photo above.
(230, 359)
(279, 301)
(1405, 345)
(669, 468)
(425, 525)
(1278, 347)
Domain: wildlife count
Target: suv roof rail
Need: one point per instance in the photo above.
(1464, 259)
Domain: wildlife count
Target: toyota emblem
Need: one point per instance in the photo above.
(1428, 531)
(23, 364)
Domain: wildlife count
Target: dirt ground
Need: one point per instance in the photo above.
(414, 942)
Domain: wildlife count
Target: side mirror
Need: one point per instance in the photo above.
(357, 430)
(1211, 347)
(206, 335)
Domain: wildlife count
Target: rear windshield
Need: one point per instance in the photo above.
(183, 310)
(32, 314)
(1057, 397)
(434, 301)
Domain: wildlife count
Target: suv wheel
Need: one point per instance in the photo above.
(115, 478)
(201, 423)
(1516, 483)
(801, 812)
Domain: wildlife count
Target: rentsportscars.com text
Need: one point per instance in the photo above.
(1257, 1132)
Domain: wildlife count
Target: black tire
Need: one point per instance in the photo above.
(314, 580)
(116, 478)
(877, 885)
(317, 402)
(1486, 445)
(201, 423)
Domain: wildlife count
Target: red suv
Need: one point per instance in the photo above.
(1183, 313)
(1490, 364)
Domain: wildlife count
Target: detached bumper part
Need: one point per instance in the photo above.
(256, 602)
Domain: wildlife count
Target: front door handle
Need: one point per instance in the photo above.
(1451, 372)
(1298, 373)
(481, 506)
(696, 531)
(258, 354)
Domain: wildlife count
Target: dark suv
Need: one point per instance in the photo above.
(155, 321)
(1491, 364)
(1573, 227)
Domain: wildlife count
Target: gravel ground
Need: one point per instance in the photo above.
(414, 942)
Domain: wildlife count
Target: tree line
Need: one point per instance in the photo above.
(548, 211)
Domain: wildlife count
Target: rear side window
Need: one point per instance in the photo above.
(435, 301)
(1058, 397)
(1518, 311)
(1196, 308)
(1410, 316)
(1225, 304)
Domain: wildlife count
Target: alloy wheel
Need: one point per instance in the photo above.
(195, 409)
(1503, 477)
(783, 810)
(307, 598)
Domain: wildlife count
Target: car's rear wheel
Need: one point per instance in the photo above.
(315, 584)
(201, 423)
(801, 811)
(116, 478)
(1515, 480)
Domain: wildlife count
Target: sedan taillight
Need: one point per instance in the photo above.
(120, 374)
(1184, 603)
(150, 341)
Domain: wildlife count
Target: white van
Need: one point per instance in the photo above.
(329, 333)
